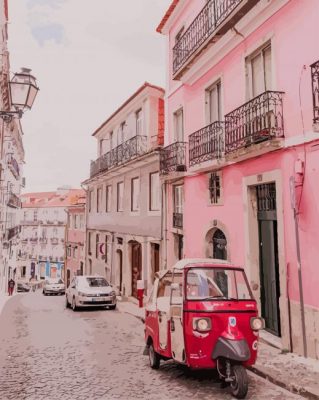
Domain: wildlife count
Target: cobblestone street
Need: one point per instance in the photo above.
(49, 352)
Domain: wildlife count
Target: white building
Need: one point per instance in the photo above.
(124, 196)
(43, 225)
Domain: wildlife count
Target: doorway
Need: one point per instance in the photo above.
(268, 256)
(68, 277)
(155, 259)
(136, 265)
(119, 272)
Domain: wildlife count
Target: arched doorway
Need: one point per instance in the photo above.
(119, 269)
(136, 264)
(219, 245)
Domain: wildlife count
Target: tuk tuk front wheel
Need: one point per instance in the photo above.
(153, 357)
(239, 386)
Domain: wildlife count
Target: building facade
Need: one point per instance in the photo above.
(240, 164)
(43, 232)
(123, 193)
(75, 239)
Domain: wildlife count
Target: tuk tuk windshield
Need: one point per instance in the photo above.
(217, 284)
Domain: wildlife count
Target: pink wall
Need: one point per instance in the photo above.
(294, 44)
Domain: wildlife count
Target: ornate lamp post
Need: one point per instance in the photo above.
(23, 91)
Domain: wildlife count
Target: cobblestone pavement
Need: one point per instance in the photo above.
(48, 352)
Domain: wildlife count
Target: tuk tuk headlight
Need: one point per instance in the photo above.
(257, 323)
(202, 324)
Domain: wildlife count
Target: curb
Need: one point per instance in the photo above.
(301, 391)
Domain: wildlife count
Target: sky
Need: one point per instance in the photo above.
(88, 58)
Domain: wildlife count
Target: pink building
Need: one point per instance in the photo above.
(242, 150)
(75, 238)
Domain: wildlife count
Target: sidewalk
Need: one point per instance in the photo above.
(3, 299)
(294, 373)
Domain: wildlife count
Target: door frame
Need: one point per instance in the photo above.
(252, 242)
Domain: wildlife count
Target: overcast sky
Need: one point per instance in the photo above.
(88, 58)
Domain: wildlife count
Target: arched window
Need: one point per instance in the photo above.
(219, 245)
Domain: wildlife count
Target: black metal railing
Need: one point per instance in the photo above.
(207, 21)
(177, 220)
(14, 167)
(173, 158)
(14, 201)
(121, 154)
(206, 143)
(257, 120)
(315, 90)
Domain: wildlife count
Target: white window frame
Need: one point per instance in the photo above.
(178, 131)
(154, 199)
(108, 198)
(139, 122)
(178, 198)
(120, 196)
(208, 99)
(135, 194)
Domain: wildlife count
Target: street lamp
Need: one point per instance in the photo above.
(23, 91)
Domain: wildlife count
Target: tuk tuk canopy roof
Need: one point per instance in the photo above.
(186, 262)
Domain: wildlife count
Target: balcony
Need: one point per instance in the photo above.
(54, 241)
(258, 120)
(177, 220)
(173, 158)
(12, 232)
(315, 91)
(34, 240)
(14, 201)
(14, 167)
(206, 143)
(213, 21)
(121, 154)
(43, 240)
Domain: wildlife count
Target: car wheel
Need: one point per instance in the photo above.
(67, 304)
(153, 357)
(112, 307)
(74, 307)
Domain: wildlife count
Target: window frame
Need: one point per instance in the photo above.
(208, 102)
(178, 136)
(108, 198)
(139, 122)
(151, 191)
(180, 208)
(135, 207)
(119, 207)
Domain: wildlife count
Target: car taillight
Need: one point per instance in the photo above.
(202, 324)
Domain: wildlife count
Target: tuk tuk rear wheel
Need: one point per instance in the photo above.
(239, 386)
(153, 357)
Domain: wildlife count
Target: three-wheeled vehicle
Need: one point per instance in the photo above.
(201, 313)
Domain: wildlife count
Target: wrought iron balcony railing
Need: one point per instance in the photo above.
(173, 158)
(14, 201)
(178, 220)
(206, 143)
(121, 154)
(14, 167)
(216, 17)
(258, 120)
(315, 90)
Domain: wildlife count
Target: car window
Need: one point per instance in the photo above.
(96, 282)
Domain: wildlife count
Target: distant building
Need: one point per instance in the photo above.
(75, 239)
(124, 197)
(43, 230)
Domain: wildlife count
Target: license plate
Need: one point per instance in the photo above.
(95, 299)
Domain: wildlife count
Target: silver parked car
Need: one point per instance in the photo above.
(53, 286)
(90, 291)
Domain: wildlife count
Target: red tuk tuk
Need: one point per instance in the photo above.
(201, 313)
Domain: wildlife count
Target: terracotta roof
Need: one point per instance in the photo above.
(168, 13)
(52, 199)
(139, 90)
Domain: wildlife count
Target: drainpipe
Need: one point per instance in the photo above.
(302, 307)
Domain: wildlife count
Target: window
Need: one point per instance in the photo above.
(81, 221)
(178, 199)
(135, 194)
(98, 199)
(139, 122)
(75, 222)
(68, 251)
(74, 251)
(90, 200)
(35, 215)
(89, 243)
(97, 237)
(258, 70)
(178, 126)
(111, 140)
(108, 198)
(120, 192)
(121, 133)
(215, 187)
(179, 34)
(213, 103)
(101, 147)
(154, 191)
